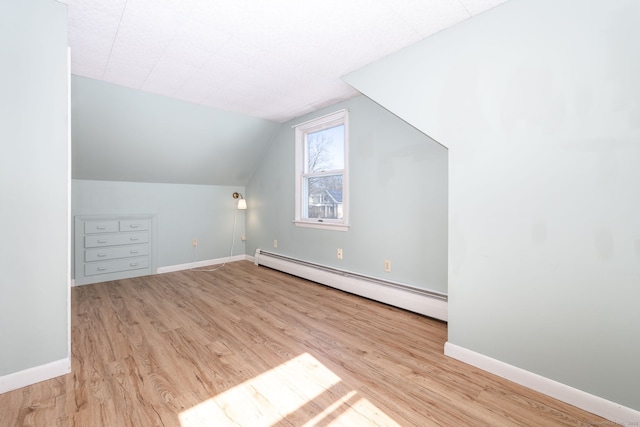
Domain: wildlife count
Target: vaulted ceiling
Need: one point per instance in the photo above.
(273, 60)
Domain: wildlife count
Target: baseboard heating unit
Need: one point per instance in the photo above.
(418, 300)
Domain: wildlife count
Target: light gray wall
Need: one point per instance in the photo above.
(121, 134)
(33, 184)
(398, 199)
(537, 101)
(183, 212)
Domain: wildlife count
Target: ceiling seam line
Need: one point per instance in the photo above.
(465, 8)
(104, 72)
(158, 61)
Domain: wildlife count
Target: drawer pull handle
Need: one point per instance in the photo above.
(102, 255)
(102, 241)
(134, 252)
(133, 238)
(134, 264)
(102, 268)
(134, 225)
(101, 227)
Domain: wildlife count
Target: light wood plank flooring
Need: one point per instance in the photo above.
(250, 346)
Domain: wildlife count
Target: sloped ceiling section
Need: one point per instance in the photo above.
(191, 91)
(270, 59)
(121, 134)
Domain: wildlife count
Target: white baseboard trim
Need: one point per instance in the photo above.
(583, 400)
(34, 375)
(200, 264)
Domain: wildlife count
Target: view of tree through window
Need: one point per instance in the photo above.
(324, 164)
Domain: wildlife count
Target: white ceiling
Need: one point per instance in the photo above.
(275, 59)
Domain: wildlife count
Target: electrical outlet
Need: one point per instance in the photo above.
(194, 242)
(387, 266)
(339, 253)
(275, 243)
(243, 238)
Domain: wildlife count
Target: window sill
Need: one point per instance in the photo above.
(322, 225)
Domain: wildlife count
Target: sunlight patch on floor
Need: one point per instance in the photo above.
(301, 388)
(351, 411)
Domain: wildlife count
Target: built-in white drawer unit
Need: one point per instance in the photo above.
(113, 247)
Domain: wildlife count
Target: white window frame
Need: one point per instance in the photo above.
(340, 117)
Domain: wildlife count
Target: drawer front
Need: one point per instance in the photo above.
(94, 268)
(116, 239)
(93, 227)
(134, 224)
(113, 252)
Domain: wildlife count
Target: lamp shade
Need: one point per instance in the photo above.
(242, 204)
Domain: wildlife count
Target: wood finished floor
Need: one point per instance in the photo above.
(249, 346)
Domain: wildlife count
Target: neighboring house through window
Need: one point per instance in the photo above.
(321, 172)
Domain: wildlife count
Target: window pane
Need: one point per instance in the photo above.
(325, 149)
(324, 197)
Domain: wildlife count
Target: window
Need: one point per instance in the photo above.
(321, 172)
